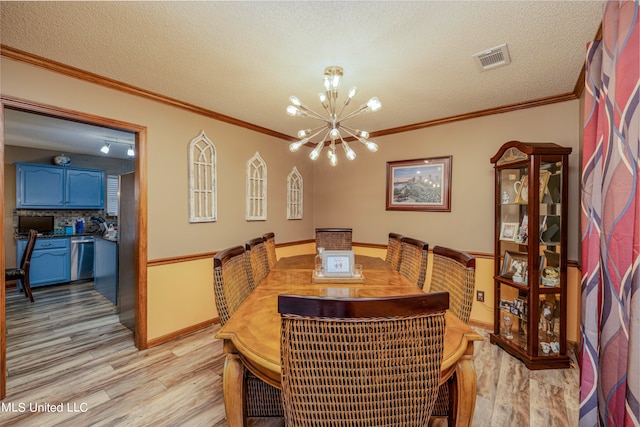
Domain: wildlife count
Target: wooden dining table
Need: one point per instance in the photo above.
(252, 335)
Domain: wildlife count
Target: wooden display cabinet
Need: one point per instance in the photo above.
(530, 295)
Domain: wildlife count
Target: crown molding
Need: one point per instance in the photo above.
(80, 74)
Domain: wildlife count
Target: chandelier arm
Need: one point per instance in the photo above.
(320, 129)
(313, 114)
(354, 113)
(342, 141)
(315, 153)
(332, 104)
(327, 107)
(325, 137)
(316, 131)
(346, 102)
(351, 132)
(347, 149)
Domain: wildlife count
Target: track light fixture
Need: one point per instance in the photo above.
(107, 143)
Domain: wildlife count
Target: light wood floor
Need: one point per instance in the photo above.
(68, 350)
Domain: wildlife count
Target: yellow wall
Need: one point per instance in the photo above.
(181, 296)
(307, 248)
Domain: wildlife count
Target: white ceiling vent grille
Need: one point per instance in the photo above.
(492, 58)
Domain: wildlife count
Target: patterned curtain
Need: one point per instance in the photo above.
(610, 321)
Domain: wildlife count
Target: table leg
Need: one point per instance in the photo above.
(466, 389)
(233, 386)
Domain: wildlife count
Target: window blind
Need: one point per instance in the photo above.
(113, 190)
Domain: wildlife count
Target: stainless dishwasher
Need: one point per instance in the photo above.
(82, 257)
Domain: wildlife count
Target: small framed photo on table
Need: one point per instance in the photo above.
(337, 263)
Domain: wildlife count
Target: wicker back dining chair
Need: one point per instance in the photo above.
(23, 271)
(231, 281)
(413, 260)
(361, 362)
(270, 244)
(334, 238)
(453, 272)
(393, 250)
(257, 261)
(231, 287)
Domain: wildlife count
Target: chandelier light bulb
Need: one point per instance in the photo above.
(131, 152)
(372, 146)
(295, 101)
(348, 151)
(333, 159)
(105, 148)
(333, 119)
(316, 151)
(335, 82)
(293, 147)
(362, 134)
(332, 77)
(374, 104)
(327, 84)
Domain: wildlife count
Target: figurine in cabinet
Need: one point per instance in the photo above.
(548, 308)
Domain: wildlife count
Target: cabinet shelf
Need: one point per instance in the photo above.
(530, 243)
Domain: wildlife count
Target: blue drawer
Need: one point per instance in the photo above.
(57, 243)
(50, 262)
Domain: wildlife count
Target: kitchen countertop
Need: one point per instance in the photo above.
(107, 239)
(58, 236)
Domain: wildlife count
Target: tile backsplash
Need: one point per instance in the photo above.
(63, 218)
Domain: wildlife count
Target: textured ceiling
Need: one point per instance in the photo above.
(244, 59)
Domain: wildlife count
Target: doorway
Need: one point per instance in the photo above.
(140, 211)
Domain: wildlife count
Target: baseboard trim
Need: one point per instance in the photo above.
(182, 332)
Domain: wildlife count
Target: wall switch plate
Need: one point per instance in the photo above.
(480, 296)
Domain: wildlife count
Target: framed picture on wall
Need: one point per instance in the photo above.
(419, 185)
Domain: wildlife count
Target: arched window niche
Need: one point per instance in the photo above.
(202, 180)
(256, 189)
(294, 194)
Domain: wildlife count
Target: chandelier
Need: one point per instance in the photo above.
(334, 119)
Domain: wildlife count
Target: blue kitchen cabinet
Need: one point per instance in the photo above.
(39, 186)
(50, 261)
(56, 187)
(84, 188)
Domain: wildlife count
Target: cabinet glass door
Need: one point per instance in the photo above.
(550, 224)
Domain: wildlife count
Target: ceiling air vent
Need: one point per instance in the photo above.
(492, 58)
